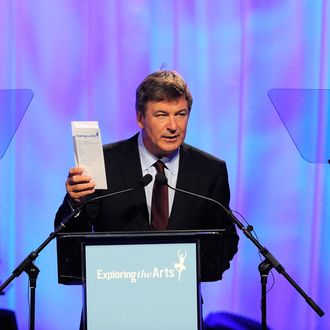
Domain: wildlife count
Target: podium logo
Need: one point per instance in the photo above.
(151, 274)
(179, 266)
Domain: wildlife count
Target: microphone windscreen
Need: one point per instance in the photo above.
(161, 178)
(146, 180)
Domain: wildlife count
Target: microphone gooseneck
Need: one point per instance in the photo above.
(162, 179)
(143, 182)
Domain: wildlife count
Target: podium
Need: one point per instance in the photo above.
(141, 280)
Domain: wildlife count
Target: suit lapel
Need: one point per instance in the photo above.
(128, 162)
(186, 181)
(129, 165)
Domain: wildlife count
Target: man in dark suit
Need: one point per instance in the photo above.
(163, 104)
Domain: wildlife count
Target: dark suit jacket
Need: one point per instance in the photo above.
(199, 172)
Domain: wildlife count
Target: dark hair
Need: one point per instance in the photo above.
(162, 85)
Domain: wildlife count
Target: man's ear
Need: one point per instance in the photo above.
(140, 119)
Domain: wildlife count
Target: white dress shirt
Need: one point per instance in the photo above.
(147, 160)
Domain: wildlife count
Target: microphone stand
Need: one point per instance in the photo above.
(264, 269)
(266, 265)
(28, 266)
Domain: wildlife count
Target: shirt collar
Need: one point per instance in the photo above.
(148, 159)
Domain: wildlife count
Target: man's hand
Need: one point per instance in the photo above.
(78, 186)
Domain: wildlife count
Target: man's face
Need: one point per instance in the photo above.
(164, 126)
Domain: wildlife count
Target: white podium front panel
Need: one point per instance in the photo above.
(141, 286)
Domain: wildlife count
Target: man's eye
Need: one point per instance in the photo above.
(182, 114)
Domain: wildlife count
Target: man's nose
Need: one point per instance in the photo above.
(172, 124)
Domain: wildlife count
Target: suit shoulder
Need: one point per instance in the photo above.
(121, 145)
(201, 155)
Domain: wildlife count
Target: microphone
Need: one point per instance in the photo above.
(143, 182)
(162, 179)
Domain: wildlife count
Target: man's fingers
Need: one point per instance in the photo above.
(79, 195)
(81, 187)
(78, 186)
(75, 171)
(78, 179)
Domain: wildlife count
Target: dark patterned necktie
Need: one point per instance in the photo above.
(159, 202)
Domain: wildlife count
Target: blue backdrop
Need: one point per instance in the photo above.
(84, 59)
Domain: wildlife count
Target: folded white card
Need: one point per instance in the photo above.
(88, 151)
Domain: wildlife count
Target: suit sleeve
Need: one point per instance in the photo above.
(222, 194)
(69, 250)
(81, 223)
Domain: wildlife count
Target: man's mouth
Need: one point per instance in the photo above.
(172, 137)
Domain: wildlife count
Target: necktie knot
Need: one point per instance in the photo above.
(160, 166)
